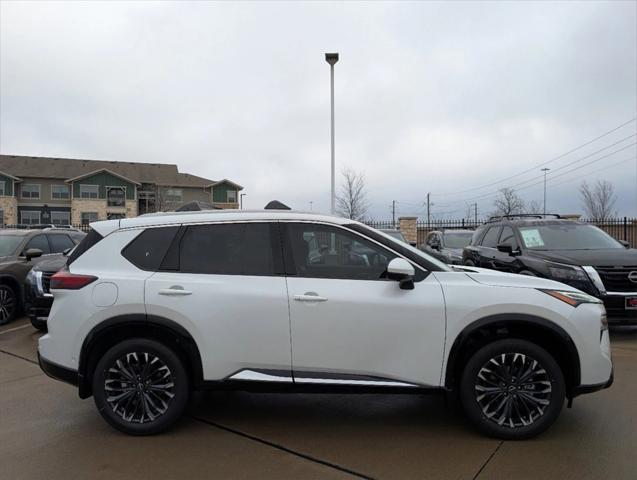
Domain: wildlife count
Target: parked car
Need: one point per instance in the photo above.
(150, 308)
(447, 245)
(20, 250)
(567, 251)
(397, 234)
(37, 296)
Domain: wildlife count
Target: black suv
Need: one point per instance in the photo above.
(20, 251)
(567, 251)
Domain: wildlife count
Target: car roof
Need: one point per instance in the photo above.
(534, 222)
(171, 218)
(457, 230)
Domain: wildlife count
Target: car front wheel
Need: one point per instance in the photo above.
(140, 387)
(512, 389)
(8, 304)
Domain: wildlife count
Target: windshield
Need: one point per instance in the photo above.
(9, 244)
(457, 240)
(562, 236)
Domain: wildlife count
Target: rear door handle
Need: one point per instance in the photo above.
(174, 291)
(309, 297)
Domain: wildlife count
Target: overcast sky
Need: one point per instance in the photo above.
(430, 97)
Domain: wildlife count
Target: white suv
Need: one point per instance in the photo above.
(153, 307)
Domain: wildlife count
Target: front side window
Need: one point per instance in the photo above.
(59, 191)
(116, 197)
(28, 217)
(39, 241)
(507, 236)
(231, 196)
(88, 217)
(322, 251)
(60, 242)
(60, 218)
(89, 191)
(491, 237)
(30, 190)
(227, 249)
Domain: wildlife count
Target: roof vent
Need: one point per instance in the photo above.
(276, 205)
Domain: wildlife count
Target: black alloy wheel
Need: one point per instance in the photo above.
(8, 304)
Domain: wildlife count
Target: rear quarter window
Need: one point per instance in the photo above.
(147, 250)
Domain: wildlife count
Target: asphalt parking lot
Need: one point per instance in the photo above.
(46, 431)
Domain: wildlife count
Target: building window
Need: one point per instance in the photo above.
(2, 188)
(29, 217)
(89, 191)
(30, 190)
(173, 195)
(88, 217)
(115, 216)
(59, 191)
(2, 217)
(115, 197)
(231, 196)
(60, 218)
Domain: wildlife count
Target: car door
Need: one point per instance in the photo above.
(350, 324)
(41, 243)
(224, 283)
(488, 247)
(502, 260)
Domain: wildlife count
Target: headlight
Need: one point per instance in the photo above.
(31, 277)
(574, 299)
(566, 272)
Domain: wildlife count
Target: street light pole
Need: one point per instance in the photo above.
(545, 170)
(332, 58)
(241, 200)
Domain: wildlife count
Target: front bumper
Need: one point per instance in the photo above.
(615, 304)
(583, 389)
(58, 372)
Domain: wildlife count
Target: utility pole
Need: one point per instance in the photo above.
(428, 211)
(311, 202)
(393, 213)
(545, 170)
(475, 206)
(332, 58)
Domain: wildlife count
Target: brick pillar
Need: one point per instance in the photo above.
(409, 228)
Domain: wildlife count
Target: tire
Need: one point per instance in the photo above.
(8, 304)
(38, 324)
(538, 402)
(120, 370)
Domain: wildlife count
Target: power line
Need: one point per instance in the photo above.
(579, 147)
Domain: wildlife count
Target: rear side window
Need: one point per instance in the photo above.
(147, 250)
(508, 236)
(228, 249)
(491, 237)
(87, 242)
(60, 242)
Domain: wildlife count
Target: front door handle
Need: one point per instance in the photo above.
(309, 297)
(175, 291)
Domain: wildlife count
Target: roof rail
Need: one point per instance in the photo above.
(496, 218)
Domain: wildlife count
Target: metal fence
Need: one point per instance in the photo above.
(84, 227)
(623, 228)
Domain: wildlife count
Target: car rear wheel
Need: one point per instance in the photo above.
(512, 389)
(8, 304)
(140, 387)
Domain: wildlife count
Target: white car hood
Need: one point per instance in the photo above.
(502, 279)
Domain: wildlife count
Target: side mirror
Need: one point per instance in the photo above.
(413, 244)
(402, 271)
(625, 243)
(33, 253)
(505, 248)
(435, 245)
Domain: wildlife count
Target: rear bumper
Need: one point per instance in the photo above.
(58, 372)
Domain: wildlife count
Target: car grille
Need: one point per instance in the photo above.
(615, 279)
(46, 281)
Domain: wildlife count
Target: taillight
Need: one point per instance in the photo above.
(65, 280)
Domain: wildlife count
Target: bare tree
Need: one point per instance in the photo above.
(534, 207)
(598, 200)
(508, 203)
(352, 202)
(163, 201)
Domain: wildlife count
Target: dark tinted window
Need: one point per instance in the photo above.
(60, 242)
(87, 242)
(477, 235)
(39, 241)
(321, 251)
(507, 236)
(457, 239)
(491, 237)
(147, 250)
(567, 236)
(227, 249)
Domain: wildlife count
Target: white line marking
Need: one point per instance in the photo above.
(14, 329)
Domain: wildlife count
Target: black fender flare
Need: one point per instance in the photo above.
(511, 320)
(177, 333)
